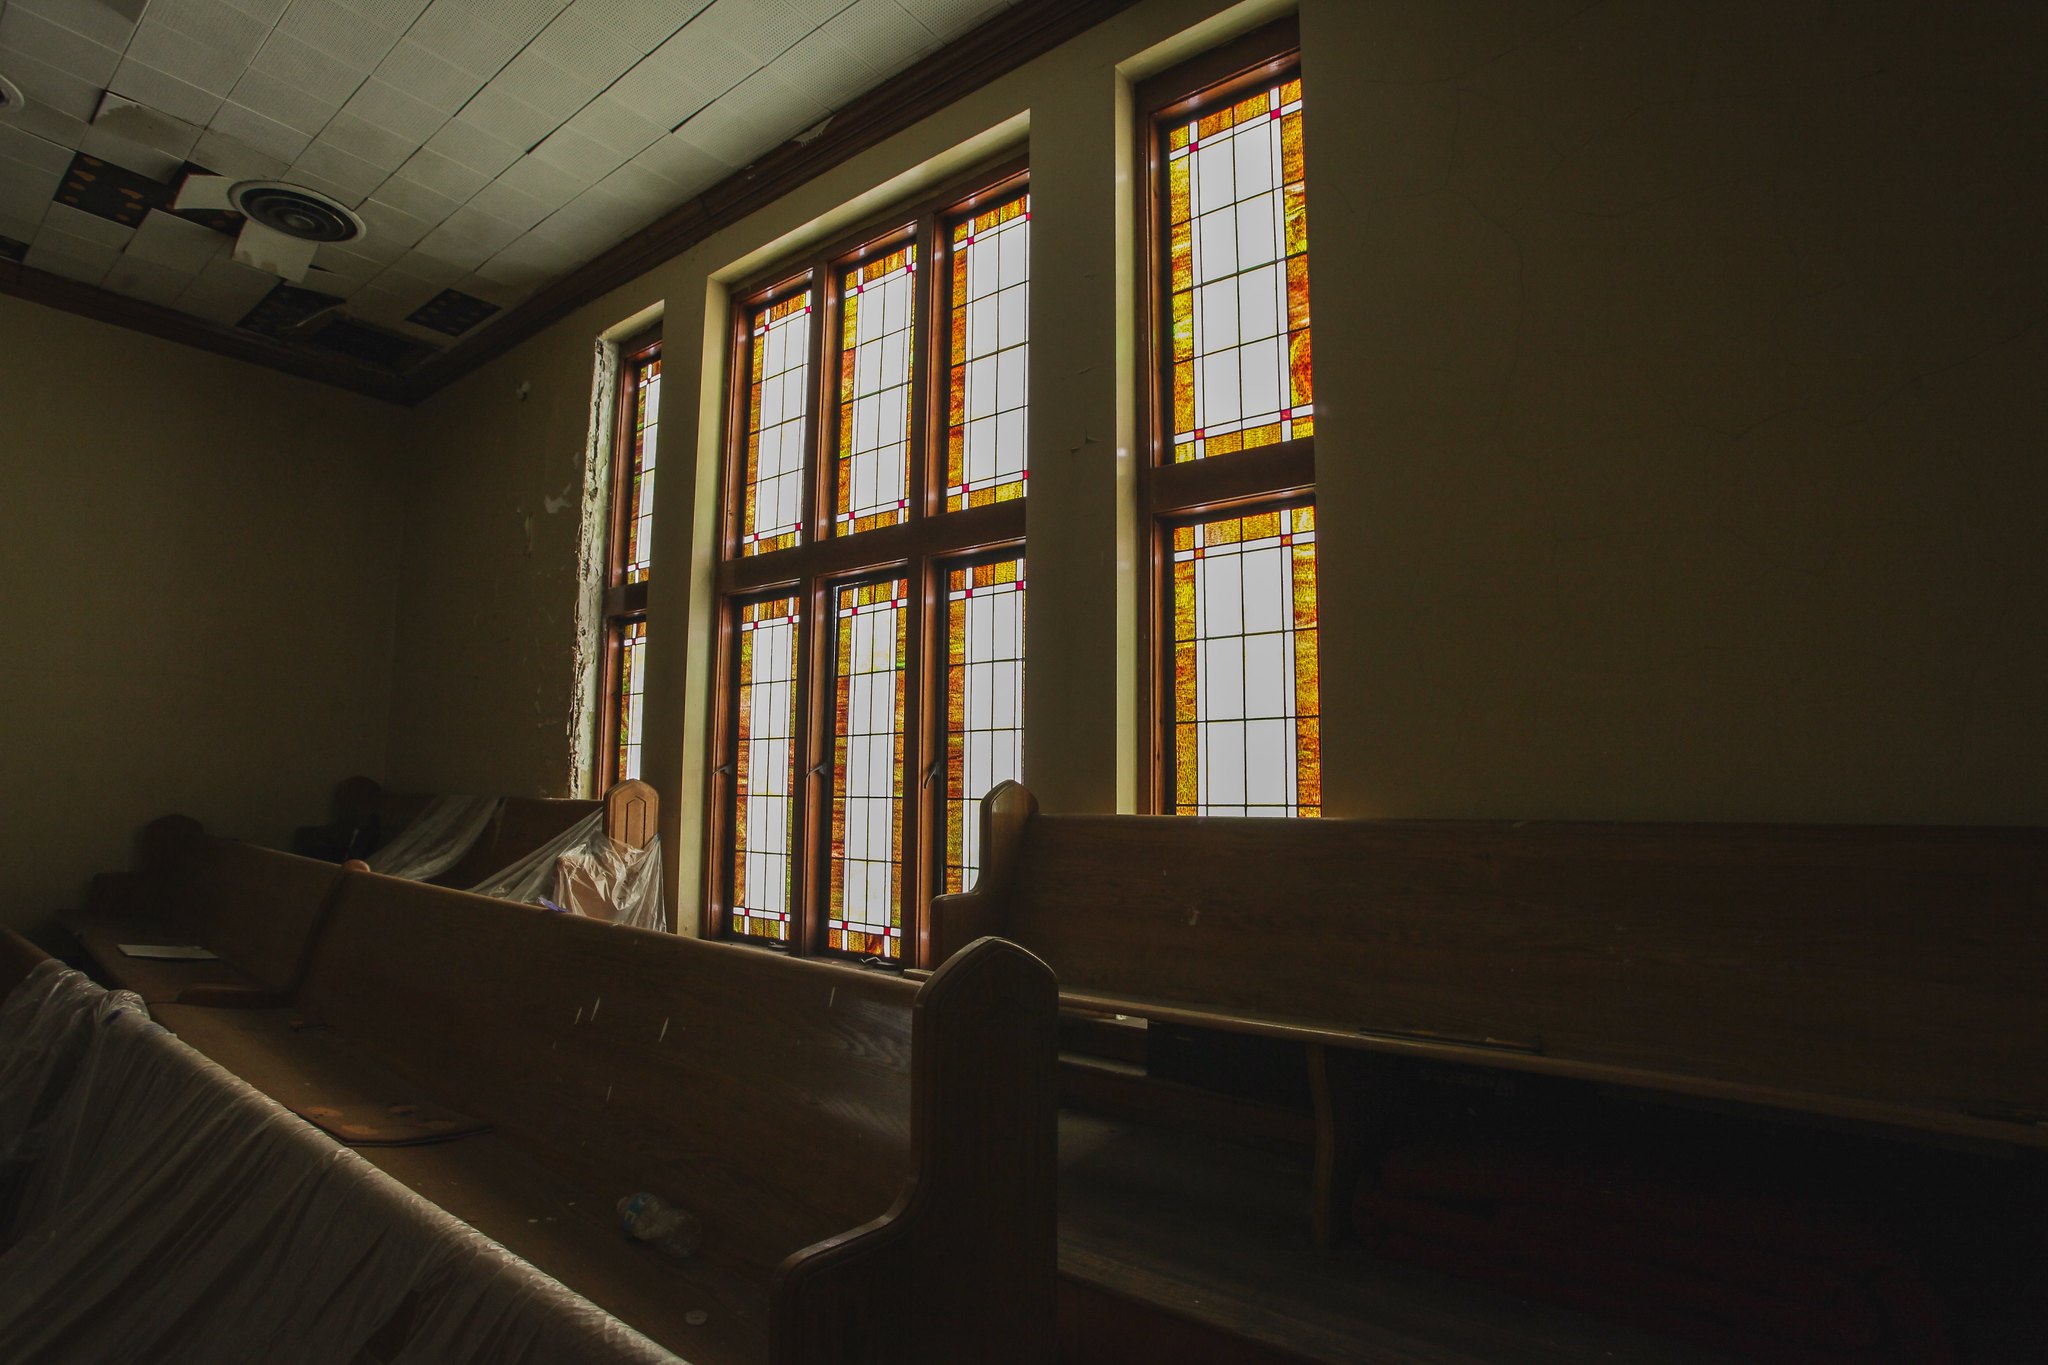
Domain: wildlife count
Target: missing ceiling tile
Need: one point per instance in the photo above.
(452, 312)
(360, 341)
(285, 309)
(112, 192)
(11, 250)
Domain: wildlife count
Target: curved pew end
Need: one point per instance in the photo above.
(975, 1229)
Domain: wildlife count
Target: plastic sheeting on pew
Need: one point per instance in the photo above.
(155, 1207)
(438, 836)
(587, 872)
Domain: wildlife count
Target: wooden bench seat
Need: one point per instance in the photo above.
(256, 908)
(841, 1133)
(1888, 975)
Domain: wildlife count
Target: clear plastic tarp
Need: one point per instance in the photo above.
(587, 872)
(155, 1207)
(445, 829)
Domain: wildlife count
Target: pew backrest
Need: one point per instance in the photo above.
(1895, 973)
(258, 908)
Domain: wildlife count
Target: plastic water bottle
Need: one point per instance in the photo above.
(649, 1218)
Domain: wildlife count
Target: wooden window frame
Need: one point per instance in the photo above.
(922, 548)
(1269, 478)
(624, 603)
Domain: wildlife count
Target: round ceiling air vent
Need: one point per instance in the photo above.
(11, 101)
(295, 211)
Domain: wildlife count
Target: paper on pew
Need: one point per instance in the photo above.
(169, 952)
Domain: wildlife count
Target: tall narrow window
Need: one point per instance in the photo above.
(871, 680)
(630, 559)
(1230, 487)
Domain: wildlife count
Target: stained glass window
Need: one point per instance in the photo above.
(778, 406)
(1246, 710)
(1237, 212)
(640, 482)
(765, 768)
(632, 698)
(984, 701)
(990, 306)
(876, 349)
(865, 914)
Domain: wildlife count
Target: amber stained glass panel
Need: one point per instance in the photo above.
(865, 915)
(877, 343)
(984, 702)
(632, 698)
(986, 407)
(1236, 192)
(1247, 678)
(639, 558)
(778, 404)
(764, 768)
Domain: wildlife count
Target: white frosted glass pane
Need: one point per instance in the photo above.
(981, 449)
(1253, 150)
(1267, 779)
(1214, 181)
(1010, 380)
(1010, 437)
(1260, 369)
(981, 386)
(1015, 307)
(1013, 244)
(1255, 233)
(1215, 246)
(1223, 679)
(1219, 591)
(1267, 684)
(1216, 323)
(1223, 767)
(984, 326)
(1258, 301)
(1266, 606)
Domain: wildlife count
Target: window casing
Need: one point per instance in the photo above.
(1227, 494)
(629, 559)
(871, 579)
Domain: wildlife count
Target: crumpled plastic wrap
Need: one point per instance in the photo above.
(587, 872)
(438, 836)
(155, 1207)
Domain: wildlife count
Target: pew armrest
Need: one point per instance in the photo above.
(959, 919)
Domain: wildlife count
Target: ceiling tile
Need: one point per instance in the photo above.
(582, 157)
(615, 127)
(266, 135)
(689, 166)
(442, 174)
(429, 78)
(880, 33)
(30, 150)
(396, 15)
(325, 281)
(546, 182)
(640, 192)
(414, 197)
(71, 257)
(584, 49)
(506, 117)
(346, 262)
(762, 29)
(319, 75)
(465, 141)
(523, 19)
(381, 103)
(460, 253)
(472, 224)
(330, 27)
(149, 281)
(226, 290)
(658, 91)
(103, 24)
(530, 261)
(50, 90)
(278, 99)
(46, 40)
(158, 163)
(826, 70)
(464, 40)
(420, 268)
(703, 64)
(167, 239)
(329, 162)
(575, 229)
(269, 11)
(642, 25)
(192, 60)
(25, 193)
(514, 206)
(359, 137)
(548, 87)
(161, 90)
(224, 155)
(389, 225)
(87, 227)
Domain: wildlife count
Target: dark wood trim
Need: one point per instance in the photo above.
(625, 604)
(964, 532)
(1221, 73)
(103, 305)
(1012, 38)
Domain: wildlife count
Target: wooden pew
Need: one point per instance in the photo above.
(524, 823)
(873, 1161)
(1888, 975)
(256, 908)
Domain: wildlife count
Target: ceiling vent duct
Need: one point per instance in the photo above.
(286, 223)
(11, 102)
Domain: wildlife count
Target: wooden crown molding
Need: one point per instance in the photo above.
(1006, 42)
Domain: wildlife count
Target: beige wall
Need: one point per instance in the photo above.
(1679, 423)
(197, 572)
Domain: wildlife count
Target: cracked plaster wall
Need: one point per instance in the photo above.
(198, 571)
(1678, 453)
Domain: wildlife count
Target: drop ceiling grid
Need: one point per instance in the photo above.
(490, 145)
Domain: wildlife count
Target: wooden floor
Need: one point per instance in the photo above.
(1217, 1233)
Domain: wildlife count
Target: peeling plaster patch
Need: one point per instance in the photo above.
(586, 661)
